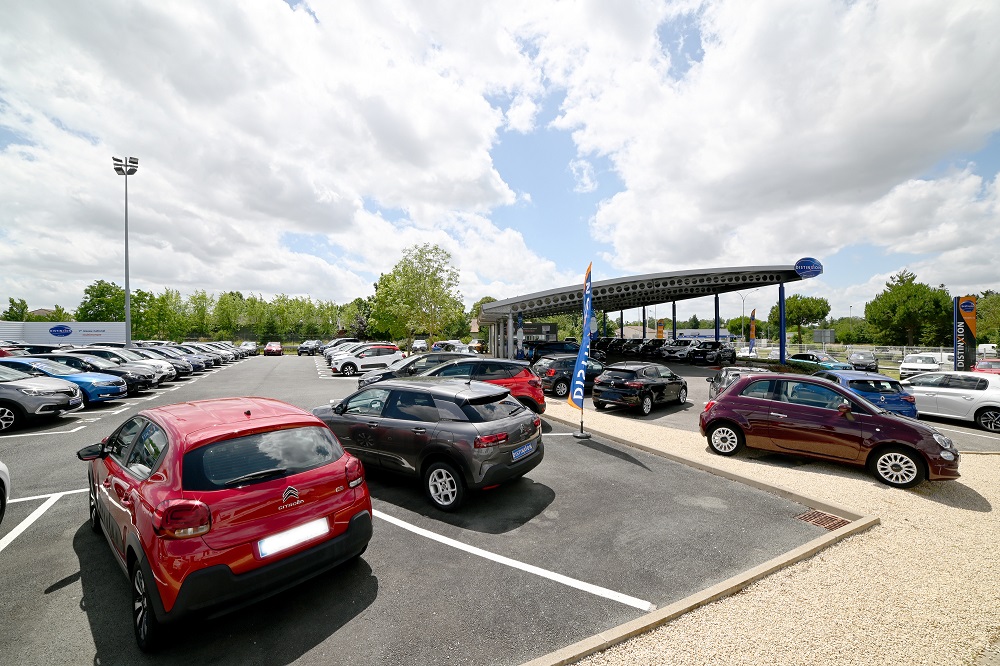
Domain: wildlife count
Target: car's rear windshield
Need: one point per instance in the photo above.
(988, 364)
(493, 409)
(620, 374)
(281, 452)
(875, 386)
(914, 358)
(544, 363)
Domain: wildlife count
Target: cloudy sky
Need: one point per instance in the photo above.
(300, 147)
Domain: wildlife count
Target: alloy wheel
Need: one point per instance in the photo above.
(443, 486)
(896, 468)
(7, 417)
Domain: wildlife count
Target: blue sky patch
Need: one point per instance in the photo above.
(681, 40)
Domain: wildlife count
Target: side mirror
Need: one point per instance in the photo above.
(845, 411)
(92, 452)
(708, 379)
(339, 409)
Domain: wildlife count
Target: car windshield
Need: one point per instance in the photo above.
(259, 457)
(55, 368)
(492, 409)
(883, 386)
(12, 375)
(102, 363)
(130, 355)
(920, 360)
(863, 356)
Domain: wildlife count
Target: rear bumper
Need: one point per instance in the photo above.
(217, 590)
(502, 472)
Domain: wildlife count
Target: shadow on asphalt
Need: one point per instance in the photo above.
(494, 511)
(277, 631)
(612, 451)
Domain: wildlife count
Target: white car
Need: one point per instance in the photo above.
(4, 489)
(916, 364)
(367, 358)
(746, 352)
(968, 396)
(419, 345)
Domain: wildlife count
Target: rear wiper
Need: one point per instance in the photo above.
(254, 476)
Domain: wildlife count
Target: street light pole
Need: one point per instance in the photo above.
(126, 168)
(744, 310)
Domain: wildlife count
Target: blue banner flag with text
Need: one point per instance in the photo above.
(575, 397)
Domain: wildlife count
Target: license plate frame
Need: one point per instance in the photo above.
(296, 536)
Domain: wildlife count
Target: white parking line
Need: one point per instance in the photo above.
(48, 432)
(530, 568)
(38, 497)
(966, 432)
(26, 523)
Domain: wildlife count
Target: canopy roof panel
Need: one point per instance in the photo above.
(637, 291)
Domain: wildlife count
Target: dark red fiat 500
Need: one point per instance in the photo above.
(211, 504)
(812, 417)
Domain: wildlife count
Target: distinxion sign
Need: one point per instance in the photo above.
(965, 332)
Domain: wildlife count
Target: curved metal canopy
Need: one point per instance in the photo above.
(637, 291)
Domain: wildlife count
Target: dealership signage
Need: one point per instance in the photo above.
(68, 332)
(808, 267)
(965, 332)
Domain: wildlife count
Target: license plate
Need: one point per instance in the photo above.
(522, 451)
(293, 537)
(75, 401)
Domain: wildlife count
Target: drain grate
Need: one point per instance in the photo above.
(826, 520)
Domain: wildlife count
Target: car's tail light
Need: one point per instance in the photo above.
(486, 441)
(537, 422)
(182, 519)
(355, 472)
(636, 385)
(709, 405)
(908, 398)
(551, 372)
(534, 382)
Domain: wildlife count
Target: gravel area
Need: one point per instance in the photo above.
(921, 588)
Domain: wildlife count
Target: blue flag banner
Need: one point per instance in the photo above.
(575, 397)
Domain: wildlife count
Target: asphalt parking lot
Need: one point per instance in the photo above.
(597, 535)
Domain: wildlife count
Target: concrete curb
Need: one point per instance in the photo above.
(605, 639)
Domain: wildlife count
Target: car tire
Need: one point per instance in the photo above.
(348, 370)
(10, 417)
(95, 516)
(726, 439)
(444, 486)
(145, 626)
(561, 388)
(989, 419)
(682, 397)
(645, 404)
(897, 467)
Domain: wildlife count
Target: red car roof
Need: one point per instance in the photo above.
(201, 422)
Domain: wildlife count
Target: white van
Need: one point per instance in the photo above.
(982, 351)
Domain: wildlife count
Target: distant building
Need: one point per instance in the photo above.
(42, 312)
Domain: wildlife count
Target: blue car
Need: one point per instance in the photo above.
(95, 386)
(883, 391)
(821, 359)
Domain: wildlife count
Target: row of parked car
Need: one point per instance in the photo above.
(40, 381)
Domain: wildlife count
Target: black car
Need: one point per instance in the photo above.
(556, 372)
(137, 377)
(640, 385)
(453, 434)
(863, 360)
(712, 352)
(651, 348)
(409, 366)
(168, 353)
(632, 347)
(615, 346)
(540, 349)
(310, 347)
(721, 380)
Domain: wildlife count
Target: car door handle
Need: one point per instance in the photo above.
(780, 416)
(420, 431)
(965, 397)
(930, 395)
(373, 424)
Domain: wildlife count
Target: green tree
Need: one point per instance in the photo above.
(420, 294)
(852, 331)
(908, 312)
(228, 315)
(199, 308)
(693, 322)
(988, 317)
(59, 314)
(801, 311)
(102, 301)
(18, 310)
(167, 317)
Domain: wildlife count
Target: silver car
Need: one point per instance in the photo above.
(968, 396)
(23, 396)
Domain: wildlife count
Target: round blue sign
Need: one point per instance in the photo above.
(808, 267)
(61, 331)
(967, 306)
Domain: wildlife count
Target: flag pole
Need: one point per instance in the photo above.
(575, 397)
